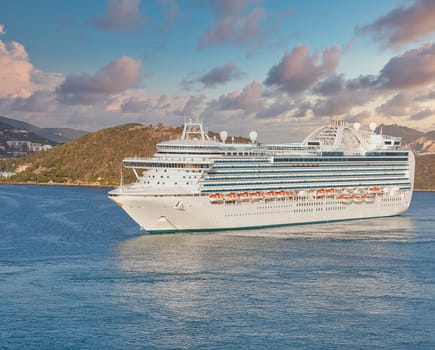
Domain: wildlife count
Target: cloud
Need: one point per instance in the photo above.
(121, 15)
(414, 68)
(400, 104)
(116, 77)
(331, 107)
(193, 105)
(216, 76)
(330, 86)
(220, 75)
(231, 26)
(16, 71)
(41, 101)
(2, 29)
(249, 99)
(362, 117)
(423, 114)
(275, 109)
(135, 105)
(403, 25)
(298, 70)
(18, 77)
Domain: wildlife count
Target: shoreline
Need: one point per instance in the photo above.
(58, 184)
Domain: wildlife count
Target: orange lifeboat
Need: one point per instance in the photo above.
(270, 195)
(281, 194)
(321, 193)
(256, 196)
(374, 189)
(356, 198)
(216, 197)
(245, 196)
(230, 197)
(330, 192)
(368, 198)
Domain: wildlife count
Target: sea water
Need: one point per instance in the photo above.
(77, 273)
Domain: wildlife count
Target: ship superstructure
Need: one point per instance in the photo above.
(339, 172)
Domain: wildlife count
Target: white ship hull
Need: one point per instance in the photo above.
(164, 214)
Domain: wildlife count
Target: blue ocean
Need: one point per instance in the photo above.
(77, 273)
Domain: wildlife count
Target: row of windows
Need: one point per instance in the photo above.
(403, 186)
(166, 165)
(307, 165)
(323, 176)
(271, 212)
(323, 159)
(331, 182)
(257, 172)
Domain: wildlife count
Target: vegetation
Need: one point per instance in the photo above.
(96, 158)
(425, 172)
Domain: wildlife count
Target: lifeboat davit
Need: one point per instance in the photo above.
(345, 199)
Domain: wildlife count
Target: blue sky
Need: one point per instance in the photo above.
(280, 67)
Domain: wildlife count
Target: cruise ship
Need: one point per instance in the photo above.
(203, 183)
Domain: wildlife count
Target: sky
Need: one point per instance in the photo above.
(282, 68)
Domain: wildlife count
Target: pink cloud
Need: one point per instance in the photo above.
(403, 25)
(116, 77)
(248, 99)
(16, 70)
(298, 70)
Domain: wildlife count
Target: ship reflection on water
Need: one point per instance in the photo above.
(281, 272)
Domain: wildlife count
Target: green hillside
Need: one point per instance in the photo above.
(96, 158)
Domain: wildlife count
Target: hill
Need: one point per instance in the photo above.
(420, 142)
(96, 158)
(425, 172)
(59, 135)
(408, 135)
(15, 142)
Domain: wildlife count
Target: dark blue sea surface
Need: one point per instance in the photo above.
(76, 273)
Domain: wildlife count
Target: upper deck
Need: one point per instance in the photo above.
(336, 139)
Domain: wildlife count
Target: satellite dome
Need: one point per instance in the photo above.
(223, 135)
(253, 136)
